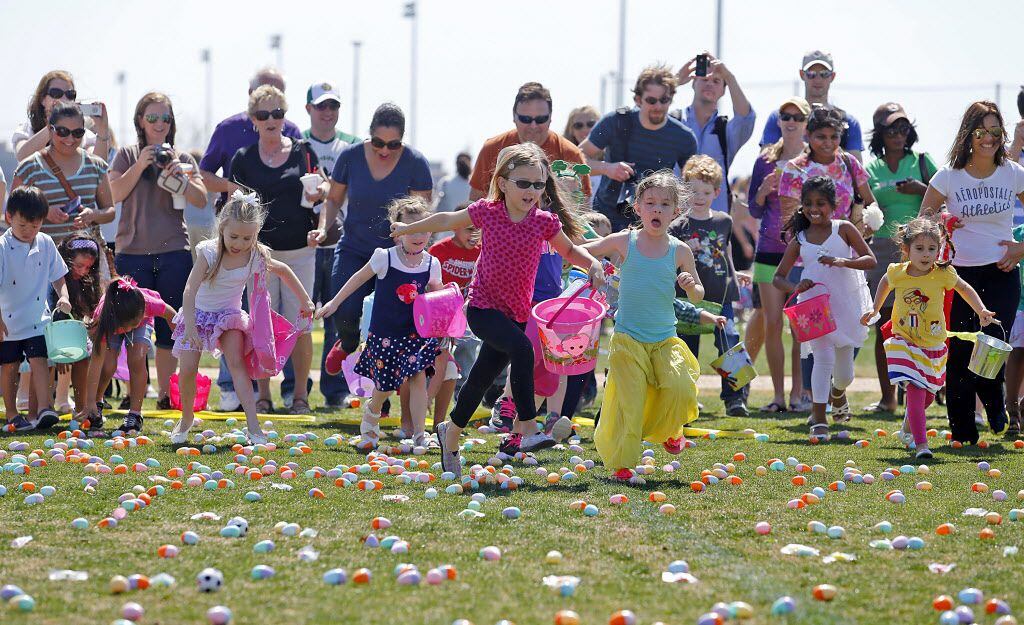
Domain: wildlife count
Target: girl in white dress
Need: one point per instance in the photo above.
(834, 255)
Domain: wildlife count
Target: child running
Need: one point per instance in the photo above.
(916, 353)
(81, 254)
(834, 254)
(394, 353)
(651, 389)
(514, 229)
(29, 264)
(123, 317)
(211, 317)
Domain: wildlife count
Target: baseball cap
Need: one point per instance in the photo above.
(888, 113)
(815, 57)
(798, 102)
(320, 91)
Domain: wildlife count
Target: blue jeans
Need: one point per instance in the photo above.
(346, 317)
(724, 340)
(165, 273)
(332, 387)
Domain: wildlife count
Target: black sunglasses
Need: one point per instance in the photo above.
(823, 73)
(57, 94)
(334, 105)
(526, 120)
(792, 117)
(526, 184)
(379, 143)
(898, 129)
(652, 100)
(265, 115)
(63, 131)
(154, 118)
(580, 125)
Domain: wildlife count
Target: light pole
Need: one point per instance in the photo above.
(204, 56)
(355, 86)
(123, 129)
(275, 44)
(410, 12)
(605, 79)
(718, 29)
(622, 54)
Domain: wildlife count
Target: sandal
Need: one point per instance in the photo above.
(300, 406)
(775, 407)
(819, 431)
(878, 408)
(264, 406)
(840, 414)
(802, 405)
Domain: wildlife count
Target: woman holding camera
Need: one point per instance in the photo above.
(34, 134)
(153, 181)
(276, 168)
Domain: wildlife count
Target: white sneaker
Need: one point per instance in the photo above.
(561, 429)
(906, 438)
(533, 442)
(924, 454)
(151, 392)
(179, 438)
(419, 440)
(258, 439)
(229, 402)
(451, 459)
(369, 433)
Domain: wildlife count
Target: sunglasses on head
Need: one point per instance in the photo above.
(792, 117)
(379, 143)
(527, 120)
(63, 131)
(57, 94)
(333, 105)
(580, 125)
(818, 73)
(526, 184)
(265, 115)
(154, 118)
(979, 133)
(663, 100)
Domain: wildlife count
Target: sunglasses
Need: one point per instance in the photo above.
(526, 120)
(265, 115)
(333, 105)
(652, 100)
(63, 131)
(154, 118)
(792, 117)
(379, 143)
(897, 130)
(580, 125)
(979, 133)
(526, 184)
(820, 73)
(57, 94)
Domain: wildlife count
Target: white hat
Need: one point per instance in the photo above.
(321, 91)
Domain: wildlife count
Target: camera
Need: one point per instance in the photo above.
(163, 155)
(702, 65)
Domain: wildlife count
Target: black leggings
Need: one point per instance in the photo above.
(1000, 292)
(503, 340)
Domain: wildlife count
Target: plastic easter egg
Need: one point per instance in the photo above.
(835, 532)
(380, 523)
(132, 611)
(710, 618)
(190, 538)
(949, 617)
(986, 534)
(945, 529)
(761, 471)
(622, 617)
(22, 603)
(361, 576)
(900, 542)
(264, 546)
(336, 577)
(783, 606)
(666, 509)
(763, 528)
(80, 524)
(118, 584)
(10, 590)
(999, 495)
(994, 518)
(591, 510)
(964, 614)
(884, 526)
(942, 603)
(230, 531)
(970, 596)
(996, 606)
(511, 512)
(824, 592)
(261, 572)
(553, 557)
(491, 554)
(167, 551)
(567, 617)
(1008, 619)
(430, 493)
(219, 615)
(252, 497)
(915, 543)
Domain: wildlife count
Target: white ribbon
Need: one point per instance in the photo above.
(245, 197)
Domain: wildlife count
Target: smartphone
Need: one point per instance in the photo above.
(72, 207)
(702, 65)
(91, 109)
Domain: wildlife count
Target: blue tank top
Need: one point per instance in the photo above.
(647, 287)
(391, 315)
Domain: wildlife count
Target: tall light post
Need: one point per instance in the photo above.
(275, 45)
(204, 56)
(122, 84)
(619, 87)
(718, 29)
(605, 79)
(355, 86)
(410, 12)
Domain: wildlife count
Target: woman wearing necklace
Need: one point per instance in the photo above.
(273, 168)
(978, 188)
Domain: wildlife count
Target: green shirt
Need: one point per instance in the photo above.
(1018, 236)
(899, 208)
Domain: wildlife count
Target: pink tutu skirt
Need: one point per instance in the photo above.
(209, 326)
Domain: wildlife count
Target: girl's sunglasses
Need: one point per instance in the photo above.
(793, 117)
(63, 131)
(265, 115)
(979, 133)
(154, 118)
(580, 125)
(379, 143)
(526, 184)
(57, 94)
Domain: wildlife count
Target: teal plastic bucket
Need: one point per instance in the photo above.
(66, 341)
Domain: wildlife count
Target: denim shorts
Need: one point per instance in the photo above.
(140, 334)
(15, 351)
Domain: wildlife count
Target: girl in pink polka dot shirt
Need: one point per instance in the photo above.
(513, 230)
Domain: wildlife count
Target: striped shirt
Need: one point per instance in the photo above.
(85, 182)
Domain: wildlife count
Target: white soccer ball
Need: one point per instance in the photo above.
(241, 524)
(209, 580)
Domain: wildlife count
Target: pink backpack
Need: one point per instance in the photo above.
(273, 336)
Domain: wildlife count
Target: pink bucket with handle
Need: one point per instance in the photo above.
(440, 313)
(202, 392)
(273, 337)
(811, 318)
(358, 385)
(545, 383)
(569, 329)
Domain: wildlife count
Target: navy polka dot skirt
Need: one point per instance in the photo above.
(390, 360)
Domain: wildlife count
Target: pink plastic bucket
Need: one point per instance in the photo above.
(811, 318)
(357, 384)
(440, 313)
(569, 330)
(545, 383)
(202, 392)
(271, 350)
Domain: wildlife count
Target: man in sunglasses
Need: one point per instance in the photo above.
(628, 144)
(232, 134)
(716, 134)
(531, 113)
(818, 72)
